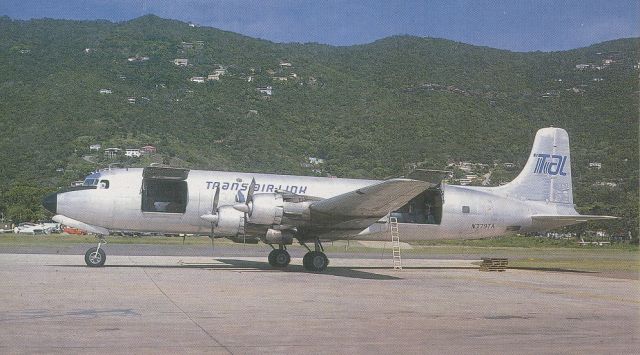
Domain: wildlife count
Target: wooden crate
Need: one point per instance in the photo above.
(494, 264)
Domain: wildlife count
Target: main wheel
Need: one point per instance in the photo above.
(272, 257)
(94, 257)
(279, 258)
(283, 258)
(315, 261)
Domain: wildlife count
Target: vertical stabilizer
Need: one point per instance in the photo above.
(547, 174)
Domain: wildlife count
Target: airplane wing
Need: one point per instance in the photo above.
(364, 206)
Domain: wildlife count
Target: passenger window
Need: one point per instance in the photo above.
(466, 209)
(104, 184)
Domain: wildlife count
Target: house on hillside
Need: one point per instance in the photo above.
(316, 161)
(148, 149)
(138, 58)
(582, 66)
(596, 165)
(132, 152)
(197, 79)
(266, 90)
(285, 64)
(105, 91)
(95, 147)
(181, 62)
(112, 152)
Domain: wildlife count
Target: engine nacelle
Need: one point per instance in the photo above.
(266, 209)
(230, 222)
(274, 236)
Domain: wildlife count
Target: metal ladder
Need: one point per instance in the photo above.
(395, 243)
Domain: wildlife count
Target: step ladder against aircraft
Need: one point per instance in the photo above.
(395, 243)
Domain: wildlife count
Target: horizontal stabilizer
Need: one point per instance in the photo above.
(576, 218)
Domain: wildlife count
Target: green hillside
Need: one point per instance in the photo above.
(368, 110)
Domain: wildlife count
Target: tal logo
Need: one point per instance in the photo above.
(550, 164)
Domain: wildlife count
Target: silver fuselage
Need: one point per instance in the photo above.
(489, 211)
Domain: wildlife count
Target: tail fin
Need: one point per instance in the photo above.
(547, 174)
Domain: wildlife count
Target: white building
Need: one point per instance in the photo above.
(134, 153)
(595, 165)
(95, 147)
(197, 79)
(267, 90)
(181, 62)
(105, 91)
(111, 152)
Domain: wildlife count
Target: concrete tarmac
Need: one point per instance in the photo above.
(240, 305)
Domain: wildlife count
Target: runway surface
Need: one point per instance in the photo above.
(240, 305)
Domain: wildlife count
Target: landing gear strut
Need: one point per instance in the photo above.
(95, 257)
(279, 257)
(316, 260)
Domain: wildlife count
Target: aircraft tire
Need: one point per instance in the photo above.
(93, 259)
(315, 261)
(282, 259)
(272, 257)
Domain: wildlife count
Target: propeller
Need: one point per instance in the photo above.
(247, 206)
(212, 216)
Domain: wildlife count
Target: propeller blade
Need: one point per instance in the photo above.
(216, 198)
(252, 189)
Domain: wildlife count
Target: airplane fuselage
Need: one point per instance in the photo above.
(117, 205)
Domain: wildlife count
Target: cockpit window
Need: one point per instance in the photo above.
(92, 179)
(90, 182)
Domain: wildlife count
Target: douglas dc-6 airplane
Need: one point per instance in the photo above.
(280, 208)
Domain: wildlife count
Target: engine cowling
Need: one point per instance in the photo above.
(230, 222)
(278, 237)
(266, 209)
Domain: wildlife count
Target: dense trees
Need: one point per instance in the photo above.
(369, 110)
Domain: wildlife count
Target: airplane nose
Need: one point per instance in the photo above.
(50, 202)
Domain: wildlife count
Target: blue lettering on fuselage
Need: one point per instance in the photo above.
(296, 189)
(550, 164)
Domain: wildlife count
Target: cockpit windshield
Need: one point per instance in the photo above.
(91, 180)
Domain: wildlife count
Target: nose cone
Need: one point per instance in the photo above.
(50, 202)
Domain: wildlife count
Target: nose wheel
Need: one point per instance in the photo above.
(95, 257)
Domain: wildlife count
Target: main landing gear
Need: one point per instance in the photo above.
(315, 260)
(95, 257)
(279, 257)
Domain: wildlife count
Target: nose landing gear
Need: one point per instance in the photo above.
(95, 257)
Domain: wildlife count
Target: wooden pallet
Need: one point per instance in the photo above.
(494, 264)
